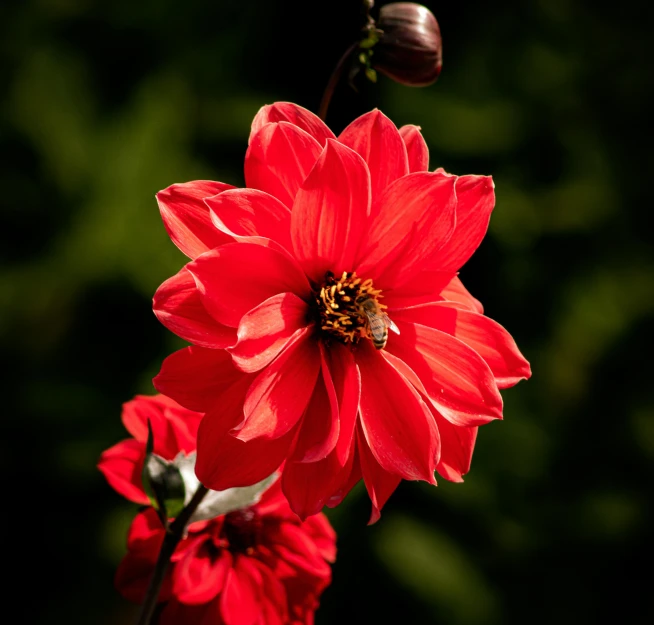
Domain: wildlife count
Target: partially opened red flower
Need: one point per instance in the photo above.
(256, 566)
(293, 285)
(174, 430)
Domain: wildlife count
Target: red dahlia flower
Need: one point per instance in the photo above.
(256, 566)
(293, 284)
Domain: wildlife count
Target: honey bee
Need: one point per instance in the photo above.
(378, 322)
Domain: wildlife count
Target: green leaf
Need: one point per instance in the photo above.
(372, 37)
(371, 74)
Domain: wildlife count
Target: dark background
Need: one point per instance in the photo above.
(105, 103)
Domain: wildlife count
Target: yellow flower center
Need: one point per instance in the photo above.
(342, 303)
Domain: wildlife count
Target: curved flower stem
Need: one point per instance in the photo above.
(174, 533)
(369, 24)
(333, 81)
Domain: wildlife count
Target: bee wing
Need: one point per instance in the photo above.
(389, 324)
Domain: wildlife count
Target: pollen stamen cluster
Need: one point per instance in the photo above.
(339, 306)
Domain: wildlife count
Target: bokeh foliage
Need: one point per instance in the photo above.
(106, 103)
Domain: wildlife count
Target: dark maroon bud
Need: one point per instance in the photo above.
(409, 48)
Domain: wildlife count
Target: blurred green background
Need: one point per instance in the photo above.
(105, 103)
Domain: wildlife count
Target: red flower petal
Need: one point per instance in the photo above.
(143, 408)
(412, 220)
(186, 217)
(135, 570)
(309, 486)
(320, 425)
(423, 288)
(239, 601)
(401, 367)
(398, 426)
(234, 278)
(380, 484)
(225, 461)
(487, 337)
(201, 574)
(250, 212)
(145, 534)
(350, 481)
(329, 215)
(456, 292)
(274, 600)
(379, 143)
(456, 378)
(458, 444)
(294, 114)
(279, 158)
(475, 201)
(195, 536)
(297, 548)
(347, 384)
(196, 377)
(178, 305)
(272, 501)
(280, 393)
(265, 330)
(133, 577)
(323, 535)
(416, 148)
(122, 465)
(185, 424)
(169, 433)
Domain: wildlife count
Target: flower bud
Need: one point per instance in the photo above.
(409, 49)
(164, 485)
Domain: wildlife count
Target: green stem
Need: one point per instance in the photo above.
(174, 533)
(338, 70)
(333, 81)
